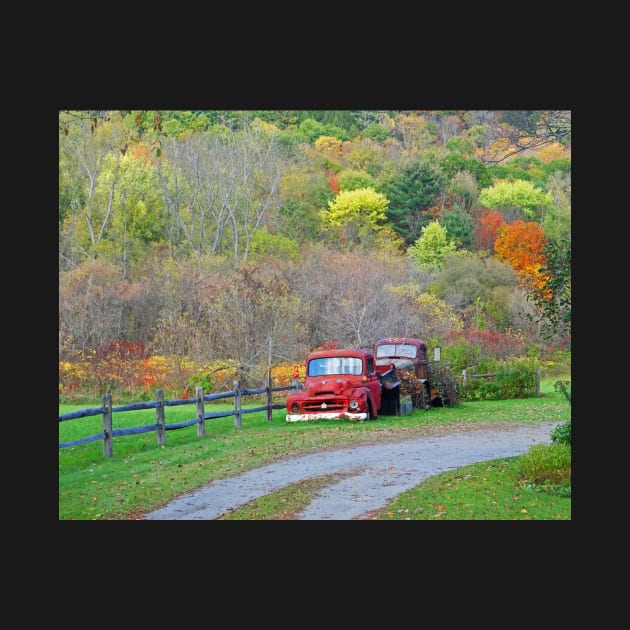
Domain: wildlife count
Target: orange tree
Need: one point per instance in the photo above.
(522, 244)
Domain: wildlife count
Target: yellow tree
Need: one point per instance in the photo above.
(431, 247)
(519, 198)
(550, 152)
(329, 146)
(356, 214)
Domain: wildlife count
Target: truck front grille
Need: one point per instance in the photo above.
(324, 405)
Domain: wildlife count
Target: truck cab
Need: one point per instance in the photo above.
(342, 384)
(409, 357)
(406, 354)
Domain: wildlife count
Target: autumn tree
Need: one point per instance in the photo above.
(432, 246)
(356, 214)
(552, 151)
(333, 181)
(517, 200)
(487, 229)
(387, 245)
(351, 179)
(328, 146)
(414, 130)
(522, 245)
(362, 155)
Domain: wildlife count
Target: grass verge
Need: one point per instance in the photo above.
(142, 476)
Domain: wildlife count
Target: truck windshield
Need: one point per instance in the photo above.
(397, 350)
(335, 365)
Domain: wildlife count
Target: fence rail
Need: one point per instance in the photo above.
(161, 426)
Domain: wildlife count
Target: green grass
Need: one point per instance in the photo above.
(492, 490)
(142, 476)
(283, 504)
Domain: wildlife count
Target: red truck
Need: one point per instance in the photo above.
(345, 384)
(428, 384)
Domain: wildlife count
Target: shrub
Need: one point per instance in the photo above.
(517, 378)
(514, 378)
(469, 346)
(460, 355)
(201, 379)
(443, 378)
(562, 433)
(565, 388)
(486, 366)
(282, 373)
(480, 389)
(547, 464)
(556, 361)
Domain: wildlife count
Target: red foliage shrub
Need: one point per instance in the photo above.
(333, 182)
(492, 345)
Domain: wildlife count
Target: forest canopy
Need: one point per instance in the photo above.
(205, 234)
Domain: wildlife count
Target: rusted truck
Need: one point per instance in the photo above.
(347, 385)
(428, 384)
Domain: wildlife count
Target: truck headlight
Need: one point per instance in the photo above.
(295, 407)
(354, 404)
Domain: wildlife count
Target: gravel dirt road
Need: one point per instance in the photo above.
(371, 474)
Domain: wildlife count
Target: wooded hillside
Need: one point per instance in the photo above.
(204, 234)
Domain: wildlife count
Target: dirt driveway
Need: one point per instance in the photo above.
(371, 474)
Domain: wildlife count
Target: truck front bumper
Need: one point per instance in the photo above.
(322, 415)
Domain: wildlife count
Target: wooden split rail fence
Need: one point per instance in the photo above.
(161, 426)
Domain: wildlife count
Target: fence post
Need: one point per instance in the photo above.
(537, 382)
(159, 417)
(201, 427)
(269, 397)
(108, 439)
(237, 405)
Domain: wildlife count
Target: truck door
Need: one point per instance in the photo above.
(422, 364)
(373, 383)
